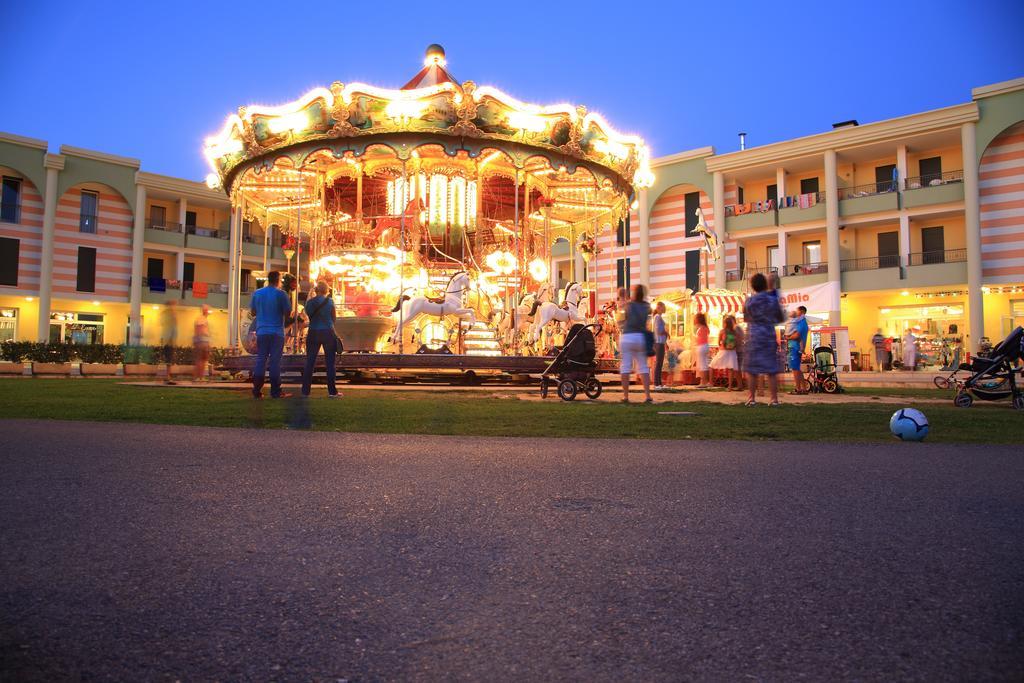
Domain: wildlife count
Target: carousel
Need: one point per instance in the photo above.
(430, 211)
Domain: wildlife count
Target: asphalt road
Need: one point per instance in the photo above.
(133, 552)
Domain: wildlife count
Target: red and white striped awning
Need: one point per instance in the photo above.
(719, 303)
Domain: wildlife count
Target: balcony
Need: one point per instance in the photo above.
(737, 279)
(165, 233)
(739, 217)
(874, 272)
(941, 188)
(802, 208)
(210, 239)
(870, 198)
(933, 268)
(184, 293)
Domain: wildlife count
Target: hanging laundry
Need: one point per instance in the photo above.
(805, 201)
(199, 290)
(157, 284)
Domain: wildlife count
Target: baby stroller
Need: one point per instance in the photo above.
(823, 377)
(993, 378)
(574, 366)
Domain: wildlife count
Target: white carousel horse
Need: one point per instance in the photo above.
(526, 313)
(711, 245)
(550, 312)
(408, 307)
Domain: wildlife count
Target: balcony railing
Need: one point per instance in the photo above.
(804, 200)
(763, 206)
(805, 269)
(88, 223)
(747, 273)
(870, 263)
(163, 225)
(868, 190)
(925, 258)
(10, 212)
(200, 231)
(934, 179)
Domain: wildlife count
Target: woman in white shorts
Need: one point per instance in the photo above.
(633, 344)
(700, 344)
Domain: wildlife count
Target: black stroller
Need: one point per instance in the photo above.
(574, 366)
(993, 378)
(823, 377)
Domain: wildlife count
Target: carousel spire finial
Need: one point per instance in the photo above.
(435, 55)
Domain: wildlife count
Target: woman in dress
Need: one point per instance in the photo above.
(762, 312)
(702, 349)
(726, 359)
(633, 343)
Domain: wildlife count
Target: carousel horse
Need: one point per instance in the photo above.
(526, 312)
(568, 313)
(413, 227)
(408, 307)
(710, 238)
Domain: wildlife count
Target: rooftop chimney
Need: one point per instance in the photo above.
(845, 124)
(743, 141)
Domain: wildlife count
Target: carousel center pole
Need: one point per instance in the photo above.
(401, 268)
(298, 262)
(515, 225)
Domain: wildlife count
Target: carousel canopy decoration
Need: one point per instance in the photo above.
(434, 104)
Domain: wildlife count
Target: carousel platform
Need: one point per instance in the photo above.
(416, 365)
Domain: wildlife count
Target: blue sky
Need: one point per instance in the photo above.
(152, 79)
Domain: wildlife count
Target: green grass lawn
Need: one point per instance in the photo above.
(495, 413)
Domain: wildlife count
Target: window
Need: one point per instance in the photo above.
(246, 231)
(691, 202)
(86, 270)
(775, 257)
(622, 233)
(10, 203)
(89, 212)
(812, 252)
(693, 269)
(190, 222)
(8, 324)
(883, 178)
(772, 193)
(155, 268)
(742, 258)
(888, 249)
(809, 186)
(622, 272)
(933, 244)
(188, 274)
(157, 217)
(739, 195)
(246, 280)
(930, 170)
(9, 249)
(76, 328)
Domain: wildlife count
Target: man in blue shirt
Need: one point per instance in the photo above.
(796, 335)
(271, 306)
(321, 314)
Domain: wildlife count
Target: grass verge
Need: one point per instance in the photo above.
(491, 414)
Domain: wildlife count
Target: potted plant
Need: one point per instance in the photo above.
(13, 354)
(100, 359)
(51, 359)
(588, 248)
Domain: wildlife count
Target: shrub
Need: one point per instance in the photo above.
(53, 352)
(100, 353)
(15, 351)
(139, 354)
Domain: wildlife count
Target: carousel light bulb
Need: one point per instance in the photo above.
(213, 181)
(538, 270)
(404, 109)
(294, 121)
(223, 148)
(527, 122)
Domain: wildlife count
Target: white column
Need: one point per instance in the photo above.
(182, 209)
(643, 217)
(783, 246)
(179, 267)
(234, 300)
(53, 164)
(138, 242)
(904, 239)
(901, 166)
(780, 184)
(832, 231)
(718, 209)
(972, 231)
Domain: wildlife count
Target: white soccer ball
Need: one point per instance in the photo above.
(909, 424)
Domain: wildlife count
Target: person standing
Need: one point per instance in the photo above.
(271, 306)
(321, 314)
(633, 344)
(762, 312)
(169, 336)
(660, 340)
(201, 343)
(909, 351)
(878, 342)
(726, 358)
(702, 349)
(796, 342)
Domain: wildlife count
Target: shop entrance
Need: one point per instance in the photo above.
(937, 329)
(76, 328)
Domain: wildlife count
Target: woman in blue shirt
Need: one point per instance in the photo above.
(321, 314)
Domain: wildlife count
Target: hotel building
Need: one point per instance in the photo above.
(914, 221)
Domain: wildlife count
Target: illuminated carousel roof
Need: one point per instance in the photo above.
(348, 121)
